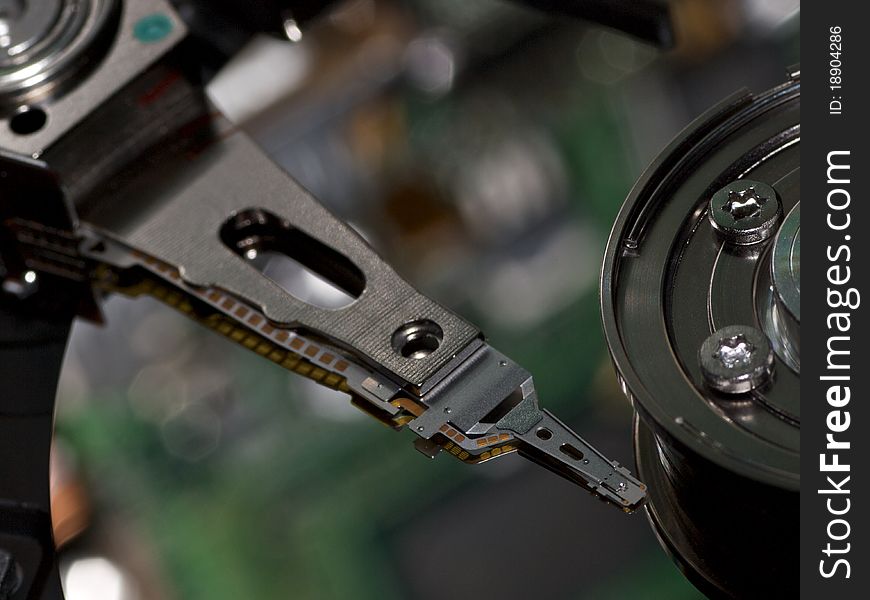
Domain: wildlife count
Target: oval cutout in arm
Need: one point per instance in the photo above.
(301, 265)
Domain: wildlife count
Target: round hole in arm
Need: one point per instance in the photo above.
(417, 339)
(544, 433)
(28, 120)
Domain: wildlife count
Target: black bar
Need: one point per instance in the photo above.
(31, 352)
(835, 49)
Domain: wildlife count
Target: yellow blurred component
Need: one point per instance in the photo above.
(704, 27)
(70, 502)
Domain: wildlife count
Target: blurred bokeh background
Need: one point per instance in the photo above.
(484, 149)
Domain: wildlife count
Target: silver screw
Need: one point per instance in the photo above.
(736, 359)
(745, 212)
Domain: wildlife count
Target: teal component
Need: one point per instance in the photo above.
(152, 28)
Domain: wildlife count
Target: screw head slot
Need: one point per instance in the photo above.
(736, 359)
(745, 212)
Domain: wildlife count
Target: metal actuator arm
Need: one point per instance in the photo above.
(164, 197)
(195, 229)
